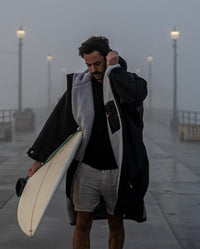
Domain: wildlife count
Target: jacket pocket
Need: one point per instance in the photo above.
(112, 116)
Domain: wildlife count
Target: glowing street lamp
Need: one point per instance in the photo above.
(175, 36)
(20, 34)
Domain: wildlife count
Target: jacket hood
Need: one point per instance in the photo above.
(123, 63)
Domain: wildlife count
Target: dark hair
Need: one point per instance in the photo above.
(95, 43)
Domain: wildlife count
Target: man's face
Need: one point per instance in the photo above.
(96, 65)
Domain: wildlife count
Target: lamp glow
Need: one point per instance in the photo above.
(20, 33)
(175, 34)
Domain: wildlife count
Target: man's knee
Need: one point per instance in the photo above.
(84, 221)
(115, 223)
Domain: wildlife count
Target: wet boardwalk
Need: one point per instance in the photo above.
(173, 199)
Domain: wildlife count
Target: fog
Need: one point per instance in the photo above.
(135, 28)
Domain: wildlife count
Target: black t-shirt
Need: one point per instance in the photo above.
(99, 153)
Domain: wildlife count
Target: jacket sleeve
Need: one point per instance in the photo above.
(128, 86)
(57, 128)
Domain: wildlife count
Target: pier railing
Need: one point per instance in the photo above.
(164, 116)
(6, 115)
(188, 123)
(11, 122)
(6, 123)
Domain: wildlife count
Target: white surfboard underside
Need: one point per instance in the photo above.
(41, 187)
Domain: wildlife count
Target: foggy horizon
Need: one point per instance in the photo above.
(135, 29)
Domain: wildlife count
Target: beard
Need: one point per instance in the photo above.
(99, 75)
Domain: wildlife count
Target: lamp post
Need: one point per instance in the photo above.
(149, 60)
(20, 34)
(64, 71)
(24, 120)
(49, 59)
(174, 121)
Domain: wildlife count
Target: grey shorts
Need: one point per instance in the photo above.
(90, 184)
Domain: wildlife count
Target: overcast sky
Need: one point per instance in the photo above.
(135, 28)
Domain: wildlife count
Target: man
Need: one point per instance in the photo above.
(111, 165)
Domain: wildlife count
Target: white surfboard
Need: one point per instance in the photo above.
(41, 187)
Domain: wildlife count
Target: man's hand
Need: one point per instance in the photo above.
(34, 167)
(112, 58)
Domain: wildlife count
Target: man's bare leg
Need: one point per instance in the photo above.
(116, 238)
(81, 239)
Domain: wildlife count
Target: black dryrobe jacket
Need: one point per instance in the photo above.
(124, 93)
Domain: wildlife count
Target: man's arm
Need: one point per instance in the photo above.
(52, 133)
(58, 127)
(128, 86)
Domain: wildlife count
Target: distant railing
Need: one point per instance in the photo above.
(189, 117)
(161, 116)
(187, 124)
(164, 116)
(6, 124)
(12, 121)
(6, 115)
